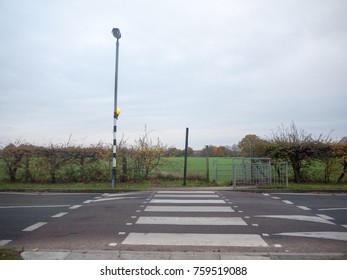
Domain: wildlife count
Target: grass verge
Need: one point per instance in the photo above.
(10, 254)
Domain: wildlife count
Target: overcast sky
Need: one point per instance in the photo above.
(224, 69)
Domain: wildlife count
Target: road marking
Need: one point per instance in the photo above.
(325, 217)
(319, 234)
(180, 201)
(34, 226)
(331, 209)
(112, 198)
(122, 233)
(345, 226)
(59, 215)
(304, 208)
(298, 218)
(4, 242)
(186, 192)
(33, 206)
(188, 239)
(188, 195)
(275, 197)
(277, 245)
(266, 194)
(112, 244)
(88, 201)
(287, 201)
(189, 209)
(75, 207)
(121, 194)
(208, 221)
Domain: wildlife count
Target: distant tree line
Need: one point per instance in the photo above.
(59, 163)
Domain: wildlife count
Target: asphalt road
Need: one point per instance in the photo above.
(203, 221)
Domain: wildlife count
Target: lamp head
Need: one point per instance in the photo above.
(116, 33)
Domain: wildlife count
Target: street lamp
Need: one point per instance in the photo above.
(116, 33)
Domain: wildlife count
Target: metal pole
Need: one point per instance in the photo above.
(185, 159)
(207, 166)
(116, 33)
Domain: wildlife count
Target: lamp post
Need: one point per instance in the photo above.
(116, 33)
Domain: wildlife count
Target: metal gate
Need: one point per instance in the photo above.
(250, 172)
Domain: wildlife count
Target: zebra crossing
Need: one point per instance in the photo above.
(204, 215)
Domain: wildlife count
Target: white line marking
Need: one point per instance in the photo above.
(188, 209)
(266, 194)
(123, 194)
(298, 218)
(88, 201)
(59, 215)
(278, 245)
(275, 197)
(265, 234)
(345, 226)
(112, 244)
(325, 217)
(34, 226)
(319, 234)
(75, 207)
(121, 233)
(304, 208)
(33, 206)
(188, 239)
(112, 198)
(180, 201)
(212, 221)
(129, 224)
(287, 201)
(185, 192)
(331, 209)
(255, 225)
(4, 242)
(187, 195)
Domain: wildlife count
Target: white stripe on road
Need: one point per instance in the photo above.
(180, 201)
(298, 218)
(287, 201)
(319, 234)
(34, 226)
(33, 206)
(325, 217)
(75, 207)
(188, 209)
(331, 209)
(188, 195)
(206, 221)
(189, 239)
(187, 192)
(113, 198)
(59, 215)
(88, 201)
(304, 208)
(4, 242)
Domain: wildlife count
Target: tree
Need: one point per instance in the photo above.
(146, 156)
(296, 146)
(252, 146)
(13, 157)
(340, 150)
